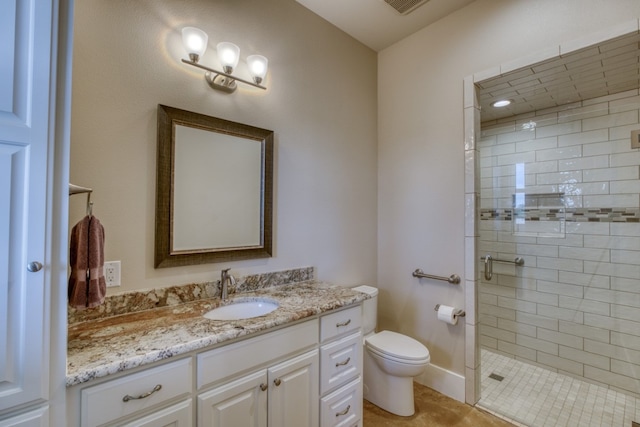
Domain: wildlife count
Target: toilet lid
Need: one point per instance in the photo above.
(398, 346)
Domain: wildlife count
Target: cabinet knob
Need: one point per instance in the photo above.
(34, 266)
(264, 387)
(277, 382)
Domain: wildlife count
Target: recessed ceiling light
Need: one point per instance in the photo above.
(501, 103)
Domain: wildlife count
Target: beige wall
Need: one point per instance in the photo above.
(321, 103)
(421, 153)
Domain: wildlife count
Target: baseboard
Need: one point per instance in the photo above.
(444, 381)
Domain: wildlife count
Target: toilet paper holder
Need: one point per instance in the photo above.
(459, 313)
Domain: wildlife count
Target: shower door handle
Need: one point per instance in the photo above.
(488, 267)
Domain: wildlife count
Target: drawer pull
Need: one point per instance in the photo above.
(346, 362)
(344, 412)
(143, 395)
(264, 387)
(277, 382)
(345, 323)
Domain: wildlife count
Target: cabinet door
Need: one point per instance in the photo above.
(241, 403)
(293, 392)
(36, 418)
(25, 125)
(179, 415)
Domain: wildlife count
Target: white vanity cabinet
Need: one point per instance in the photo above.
(341, 368)
(270, 380)
(308, 374)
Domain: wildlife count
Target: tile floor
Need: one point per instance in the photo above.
(433, 409)
(536, 397)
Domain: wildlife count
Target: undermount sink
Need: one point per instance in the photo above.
(241, 308)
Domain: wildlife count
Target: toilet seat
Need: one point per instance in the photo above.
(398, 347)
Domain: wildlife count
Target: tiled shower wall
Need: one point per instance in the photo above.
(574, 307)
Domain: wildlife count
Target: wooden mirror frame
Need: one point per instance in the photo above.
(168, 117)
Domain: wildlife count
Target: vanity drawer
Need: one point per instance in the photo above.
(340, 361)
(225, 362)
(106, 402)
(343, 407)
(340, 323)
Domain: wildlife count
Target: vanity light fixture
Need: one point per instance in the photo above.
(195, 43)
(501, 103)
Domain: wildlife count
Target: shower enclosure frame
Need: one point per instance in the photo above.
(471, 119)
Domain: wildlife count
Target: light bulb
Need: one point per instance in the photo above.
(195, 42)
(228, 54)
(258, 65)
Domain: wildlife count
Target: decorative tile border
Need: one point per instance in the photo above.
(134, 301)
(569, 215)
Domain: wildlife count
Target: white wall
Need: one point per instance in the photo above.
(321, 103)
(421, 151)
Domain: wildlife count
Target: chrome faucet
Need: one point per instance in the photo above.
(225, 278)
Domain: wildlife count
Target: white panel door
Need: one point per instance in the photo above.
(293, 392)
(25, 127)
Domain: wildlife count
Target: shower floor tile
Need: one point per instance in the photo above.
(535, 397)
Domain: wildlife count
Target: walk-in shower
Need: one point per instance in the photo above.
(557, 184)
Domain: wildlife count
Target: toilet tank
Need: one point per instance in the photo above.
(369, 308)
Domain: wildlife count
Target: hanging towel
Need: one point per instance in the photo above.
(87, 286)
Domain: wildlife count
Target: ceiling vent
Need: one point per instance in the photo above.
(404, 7)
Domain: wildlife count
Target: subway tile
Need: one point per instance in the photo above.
(613, 201)
(537, 344)
(630, 186)
(585, 357)
(624, 284)
(537, 144)
(622, 132)
(503, 291)
(517, 350)
(587, 254)
(518, 305)
(489, 299)
(504, 313)
(613, 296)
(568, 315)
(559, 177)
(625, 159)
(625, 104)
(609, 147)
(625, 230)
(519, 328)
(592, 332)
(509, 159)
(584, 305)
(567, 240)
(593, 162)
(560, 264)
(608, 377)
(560, 338)
(469, 93)
(608, 350)
(537, 250)
(559, 129)
(625, 256)
(586, 280)
(535, 320)
(585, 112)
(561, 153)
(611, 120)
(560, 288)
(560, 363)
(498, 334)
(487, 319)
(610, 269)
(497, 129)
(611, 174)
(612, 324)
(625, 368)
(518, 135)
(625, 312)
(537, 297)
(598, 135)
(625, 340)
(497, 150)
(539, 167)
(584, 189)
(539, 273)
(488, 342)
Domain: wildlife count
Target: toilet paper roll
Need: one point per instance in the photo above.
(445, 314)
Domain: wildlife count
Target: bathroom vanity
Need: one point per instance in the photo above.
(300, 365)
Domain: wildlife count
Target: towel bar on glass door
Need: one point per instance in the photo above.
(454, 279)
(488, 264)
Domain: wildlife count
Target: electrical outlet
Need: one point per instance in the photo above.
(112, 273)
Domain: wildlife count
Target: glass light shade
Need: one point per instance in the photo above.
(228, 54)
(195, 42)
(258, 65)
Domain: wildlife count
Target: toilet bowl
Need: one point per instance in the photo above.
(391, 361)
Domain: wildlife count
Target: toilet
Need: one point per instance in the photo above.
(391, 361)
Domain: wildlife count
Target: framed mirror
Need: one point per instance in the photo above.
(213, 190)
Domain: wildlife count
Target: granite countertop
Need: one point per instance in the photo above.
(100, 347)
